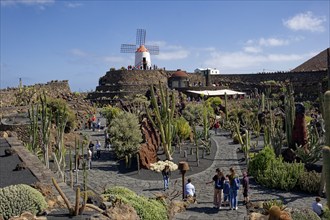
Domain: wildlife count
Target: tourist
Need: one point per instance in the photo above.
(166, 172)
(91, 146)
(98, 149)
(216, 126)
(189, 190)
(246, 186)
(77, 162)
(234, 187)
(317, 206)
(89, 158)
(98, 124)
(226, 190)
(218, 180)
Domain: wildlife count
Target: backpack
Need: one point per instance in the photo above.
(236, 183)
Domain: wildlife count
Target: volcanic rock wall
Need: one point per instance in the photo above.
(54, 89)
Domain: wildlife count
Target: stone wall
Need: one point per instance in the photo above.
(125, 83)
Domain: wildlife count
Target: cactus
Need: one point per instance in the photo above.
(226, 107)
(326, 169)
(46, 118)
(262, 102)
(16, 199)
(60, 152)
(326, 164)
(138, 162)
(289, 114)
(164, 114)
(33, 129)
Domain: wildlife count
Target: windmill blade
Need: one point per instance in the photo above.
(128, 48)
(153, 49)
(140, 37)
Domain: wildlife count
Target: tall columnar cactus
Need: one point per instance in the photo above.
(262, 102)
(326, 116)
(61, 120)
(325, 179)
(326, 169)
(164, 114)
(226, 106)
(33, 129)
(289, 114)
(46, 118)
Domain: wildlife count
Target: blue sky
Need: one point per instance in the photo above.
(43, 40)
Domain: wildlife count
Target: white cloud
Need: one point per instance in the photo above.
(78, 53)
(72, 4)
(240, 60)
(113, 59)
(40, 3)
(305, 22)
(251, 49)
(172, 55)
(273, 42)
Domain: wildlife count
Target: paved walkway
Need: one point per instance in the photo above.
(105, 174)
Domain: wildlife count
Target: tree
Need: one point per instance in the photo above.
(125, 134)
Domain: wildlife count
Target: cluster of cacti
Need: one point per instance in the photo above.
(46, 117)
(16, 199)
(46, 121)
(60, 151)
(309, 181)
(78, 208)
(163, 117)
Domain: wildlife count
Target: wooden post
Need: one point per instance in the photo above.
(183, 167)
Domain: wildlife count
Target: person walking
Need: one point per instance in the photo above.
(246, 187)
(91, 147)
(89, 158)
(98, 149)
(166, 172)
(234, 187)
(218, 180)
(226, 190)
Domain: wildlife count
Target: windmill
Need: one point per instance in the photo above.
(142, 51)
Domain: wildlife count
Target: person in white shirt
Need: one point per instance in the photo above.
(317, 207)
(190, 189)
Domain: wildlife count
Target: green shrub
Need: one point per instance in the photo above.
(304, 214)
(110, 113)
(261, 161)
(182, 128)
(125, 134)
(280, 175)
(309, 181)
(16, 199)
(147, 209)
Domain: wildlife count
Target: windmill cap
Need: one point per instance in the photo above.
(142, 48)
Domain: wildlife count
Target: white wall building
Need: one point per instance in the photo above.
(212, 71)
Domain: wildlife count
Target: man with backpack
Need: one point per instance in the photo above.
(234, 187)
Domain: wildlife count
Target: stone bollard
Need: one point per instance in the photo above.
(183, 167)
(185, 154)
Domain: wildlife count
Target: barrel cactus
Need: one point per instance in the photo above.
(16, 199)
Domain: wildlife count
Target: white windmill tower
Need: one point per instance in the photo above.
(142, 51)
